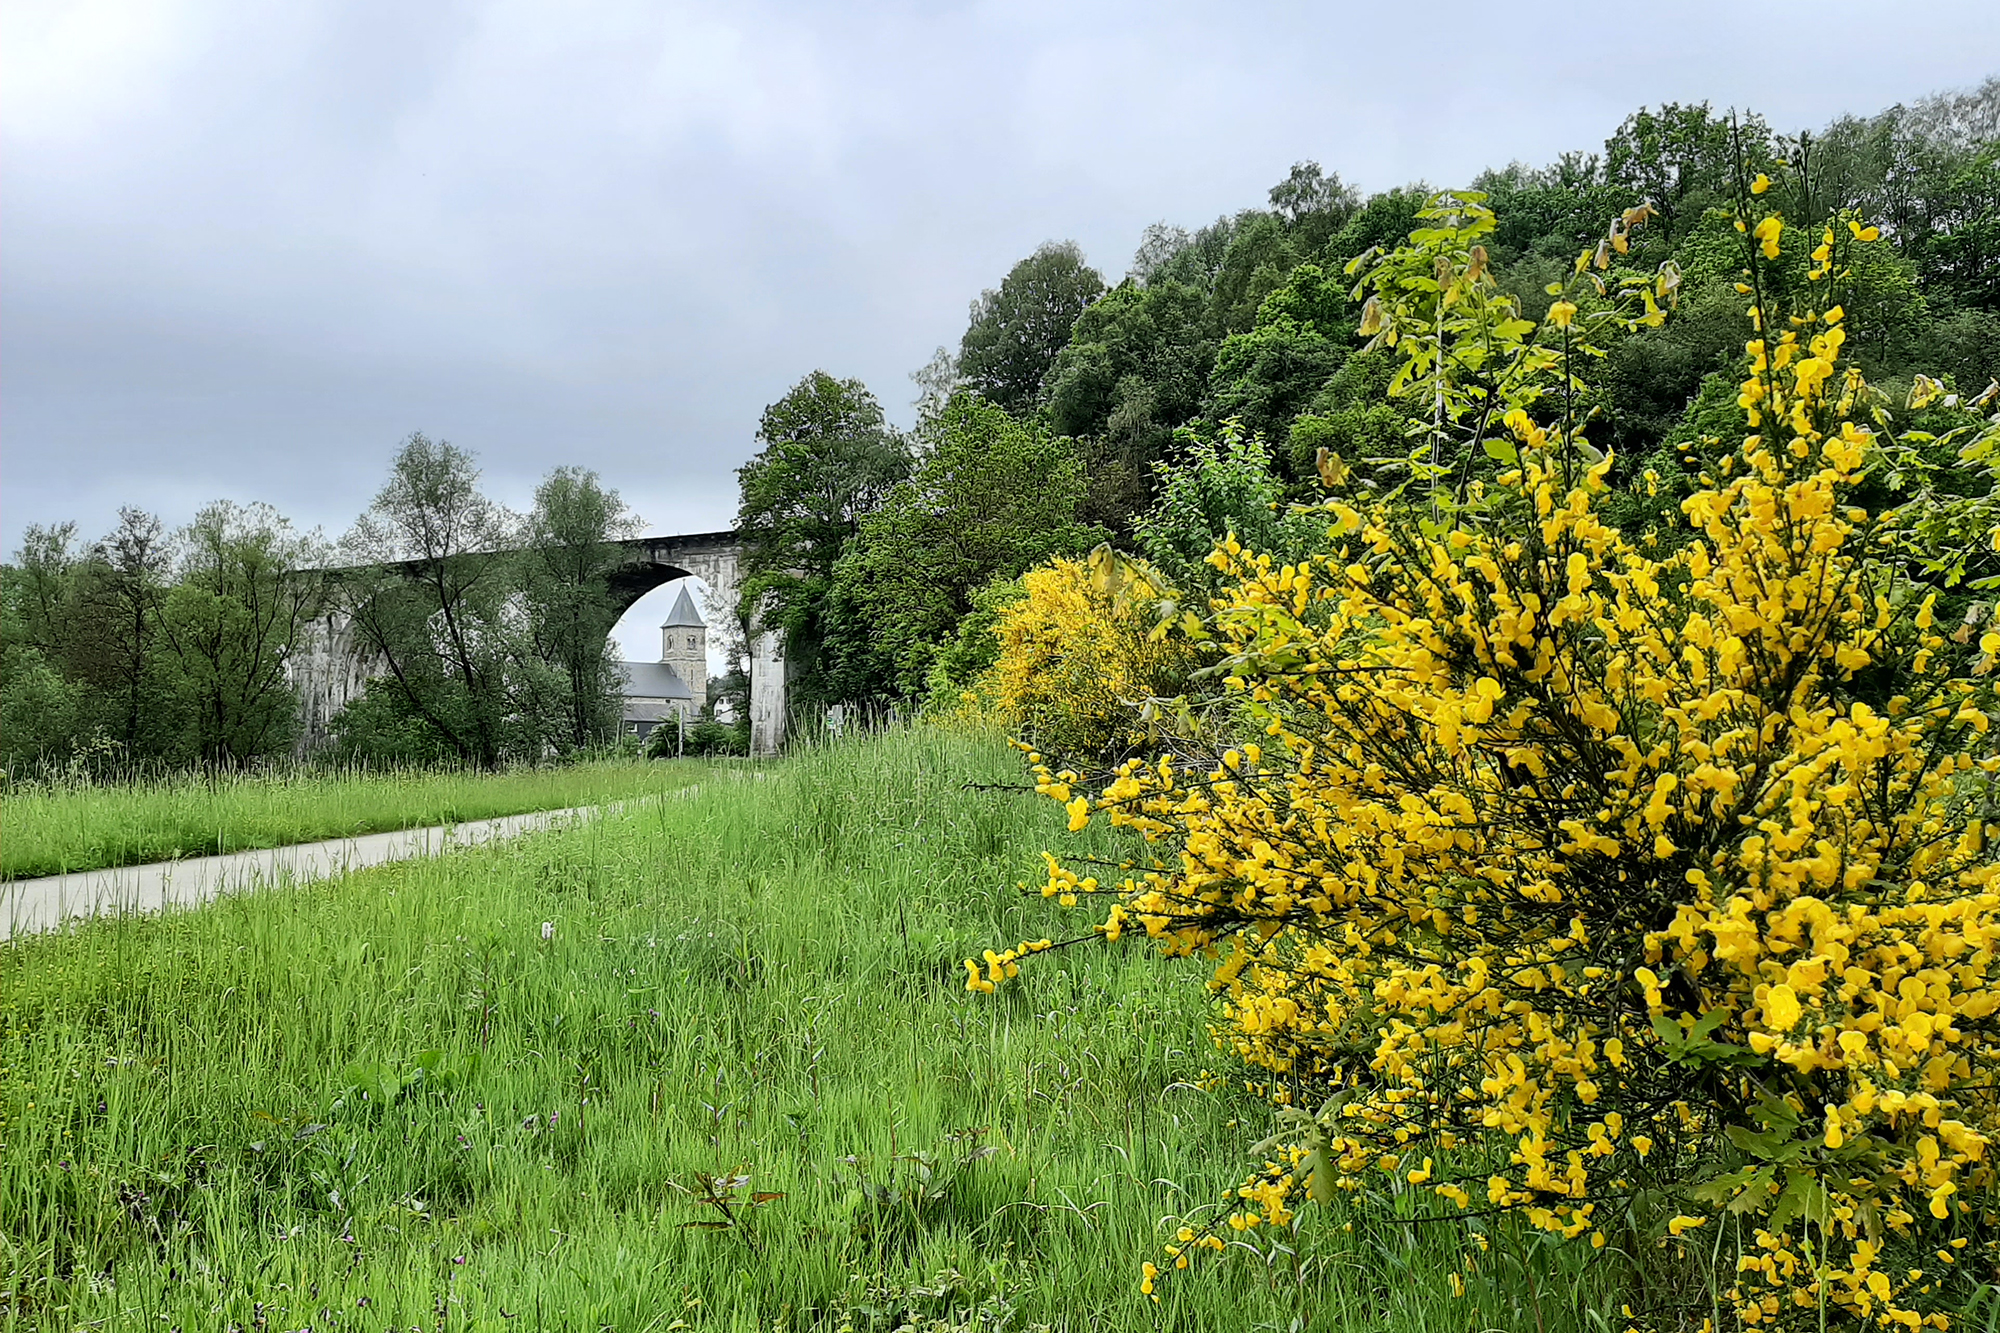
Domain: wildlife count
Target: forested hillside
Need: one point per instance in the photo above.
(1159, 409)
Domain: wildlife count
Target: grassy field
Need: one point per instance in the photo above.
(400, 1101)
(50, 830)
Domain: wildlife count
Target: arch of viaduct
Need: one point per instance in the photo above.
(335, 667)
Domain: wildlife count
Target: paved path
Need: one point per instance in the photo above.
(30, 905)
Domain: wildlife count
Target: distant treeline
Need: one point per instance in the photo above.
(149, 650)
(1199, 394)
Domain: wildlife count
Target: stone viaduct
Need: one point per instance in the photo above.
(335, 668)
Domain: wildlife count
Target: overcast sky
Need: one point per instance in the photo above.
(249, 247)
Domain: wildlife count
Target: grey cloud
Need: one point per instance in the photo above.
(250, 246)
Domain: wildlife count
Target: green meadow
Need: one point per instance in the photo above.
(54, 828)
(706, 1063)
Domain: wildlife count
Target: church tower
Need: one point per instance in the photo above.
(684, 647)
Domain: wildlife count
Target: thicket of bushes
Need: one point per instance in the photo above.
(1622, 862)
(704, 737)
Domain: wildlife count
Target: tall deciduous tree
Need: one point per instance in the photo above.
(827, 460)
(1158, 333)
(1261, 253)
(1313, 204)
(432, 597)
(247, 589)
(122, 584)
(1929, 175)
(936, 380)
(1136, 367)
(571, 549)
(1159, 245)
(1681, 160)
(991, 497)
(1266, 376)
(1314, 201)
(43, 582)
(41, 706)
(1018, 328)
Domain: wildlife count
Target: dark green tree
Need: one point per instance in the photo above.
(247, 588)
(44, 584)
(992, 497)
(1304, 330)
(1262, 252)
(1018, 328)
(1137, 366)
(1961, 263)
(431, 598)
(570, 550)
(116, 644)
(1545, 217)
(1158, 333)
(828, 459)
(43, 716)
(1354, 420)
(1929, 175)
(1383, 220)
(1681, 160)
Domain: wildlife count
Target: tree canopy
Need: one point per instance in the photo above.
(1237, 359)
(1018, 328)
(827, 461)
(991, 497)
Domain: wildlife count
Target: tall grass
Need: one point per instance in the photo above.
(51, 829)
(390, 1101)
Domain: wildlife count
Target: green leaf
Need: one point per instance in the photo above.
(1711, 1020)
(1720, 1189)
(1776, 1113)
(373, 1080)
(1755, 1196)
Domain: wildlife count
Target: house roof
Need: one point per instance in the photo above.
(651, 680)
(684, 616)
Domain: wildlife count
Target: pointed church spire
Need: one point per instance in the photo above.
(684, 616)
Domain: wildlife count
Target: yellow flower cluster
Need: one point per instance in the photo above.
(1000, 966)
(1586, 876)
(1078, 659)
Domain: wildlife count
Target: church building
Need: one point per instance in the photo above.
(677, 684)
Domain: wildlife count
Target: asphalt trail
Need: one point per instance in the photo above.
(29, 906)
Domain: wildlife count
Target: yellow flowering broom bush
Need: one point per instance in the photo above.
(1648, 897)
(1079, 658)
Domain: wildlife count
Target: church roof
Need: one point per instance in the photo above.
(651, 680)
(684, 616)
(646, 710)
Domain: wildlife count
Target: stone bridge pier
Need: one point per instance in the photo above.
(335, 667)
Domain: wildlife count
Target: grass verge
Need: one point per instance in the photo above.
(56, 829)
(396, 1100)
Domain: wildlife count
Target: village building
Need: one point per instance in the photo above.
(674, 686)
